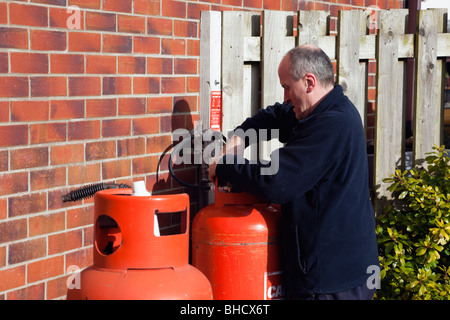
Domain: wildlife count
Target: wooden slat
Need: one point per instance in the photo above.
(390, 107)
(311, 26)
(429, 84)
(210, 60)
(233, 36)
(351, 74)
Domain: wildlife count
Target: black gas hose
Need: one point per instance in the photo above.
(89, 191)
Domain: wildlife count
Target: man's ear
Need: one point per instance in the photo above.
(311, 82)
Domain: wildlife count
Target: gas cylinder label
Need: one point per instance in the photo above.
(215, 111)
(273, 286)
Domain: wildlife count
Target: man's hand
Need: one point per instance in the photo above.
(234, 146)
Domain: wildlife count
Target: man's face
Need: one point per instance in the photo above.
(294, 91)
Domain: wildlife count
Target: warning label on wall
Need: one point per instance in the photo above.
(215, 111)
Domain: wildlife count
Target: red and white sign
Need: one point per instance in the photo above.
(215, 111)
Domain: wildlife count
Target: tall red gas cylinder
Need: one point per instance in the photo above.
(133, 261)
(235, 243)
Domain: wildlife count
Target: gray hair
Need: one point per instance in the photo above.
(309, 59)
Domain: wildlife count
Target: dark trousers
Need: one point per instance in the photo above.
(359, 293)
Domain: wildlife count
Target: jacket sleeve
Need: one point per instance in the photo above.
(309, 156)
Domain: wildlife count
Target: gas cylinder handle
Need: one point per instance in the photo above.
(232, 198)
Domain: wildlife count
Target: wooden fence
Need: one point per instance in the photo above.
(240, 53)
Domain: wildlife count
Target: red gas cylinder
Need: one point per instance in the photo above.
(235, 243)
(131, 261)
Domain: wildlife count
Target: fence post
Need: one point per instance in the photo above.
(428, 110)
(390, 102)
(351, 74)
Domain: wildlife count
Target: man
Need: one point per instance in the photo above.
(328, 225)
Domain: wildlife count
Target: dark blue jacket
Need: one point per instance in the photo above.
(328, 223)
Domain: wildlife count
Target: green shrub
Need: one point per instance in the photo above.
(414, 233)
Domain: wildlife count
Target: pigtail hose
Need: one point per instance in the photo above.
(89, 191)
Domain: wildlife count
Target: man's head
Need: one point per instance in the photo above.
(307, 75)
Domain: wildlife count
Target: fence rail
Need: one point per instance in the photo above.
(240, 53)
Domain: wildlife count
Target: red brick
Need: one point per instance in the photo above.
(47, 223)
(85, 86)
(145, 165)
(173, 85)
(101, 108)
(24, 62)
(4, 64)
(80, 217)
(131, 24)
(13, 38)
(27, 250)
(131, 147)
(57, 288)
(29, 111)
(131, 106)
(28, 15)
(13, 230)
(3, 13)
(193, 84)
(44, 269)
(149, 125)
(33, 292)
(99, 150)
(253, 4)
(47, 178)
(12, 278)
(117, 44)
(175, 9)
(47, 132)
(116, 85)
(193, 47)
(81, 258)
(83, 174)
(185, 66)
(48, 86)
(159, 104)
(11, 183)
(81, 130)
(157, 65)
(85, 42)
(69, 153)
(131, 65)
(100, 21)
(173, 46)
(99, 64)
(66, 109)
(150, 45)
(2, 257)
(4, 111)
(157, 144)
(48, 40)
(66, 63)
(147, 7)
(29, 158)
(159, 26)
(66, 18)
(4, 156)
(65, 241)
(117, 5)
(116, 127)
(116, 169)
(187, 29)
(13, 135)
(194, 9)
(89, 4)
(145, 85)
(13, 87)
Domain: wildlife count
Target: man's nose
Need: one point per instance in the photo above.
(286, 96)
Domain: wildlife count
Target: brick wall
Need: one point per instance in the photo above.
(88, 100)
